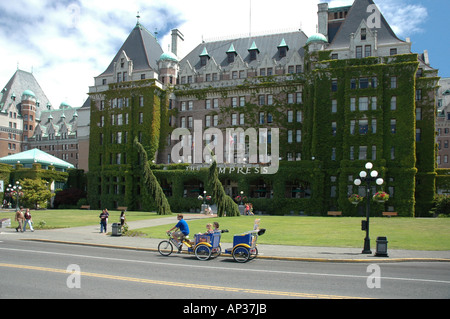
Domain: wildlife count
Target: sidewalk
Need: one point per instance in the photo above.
(90, 235)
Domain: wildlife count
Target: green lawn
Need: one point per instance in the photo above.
(64, 218)
(402, 233)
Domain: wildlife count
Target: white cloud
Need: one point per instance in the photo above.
(67, 43)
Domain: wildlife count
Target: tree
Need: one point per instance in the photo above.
(152, 184)
(225, 204)
(36, 193)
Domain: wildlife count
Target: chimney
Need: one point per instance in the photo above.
(177, 37)
(322, 16)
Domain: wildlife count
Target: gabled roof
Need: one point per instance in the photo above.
(36, 156)
(19, 83)
(356, 14)
(142, 48)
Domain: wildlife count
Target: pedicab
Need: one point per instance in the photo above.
(244, 245)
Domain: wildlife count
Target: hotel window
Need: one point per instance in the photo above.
(215, 103)
(363, 34)
(418, 95)
(215, 120)
(241, 74)
(207, 104)
(352, 153)
(262, 72)
(242, 101)
(291, 69)
(289, 136)
(269, 71)
(418, 114)
(290, 98)
(290, 116)
(367, 51)
(234, 74)
(190, 121)
(374, 103)
(262, 100)
(363, 83)
(270, 99)
(183, 122)
(418, 134)
(393, 126)
(141, 101)
(299, 97)
(359, 52)
(234, 101)
(393, 51)
(363, 126)
(352, 127)
(299, 116)
(374, 126)
(334, 85)
(208, 120)
(393, 82)
(242, 118)
(352, 104)
(374, 153)
(362, 152)
(333, 128)
(141, 118)
(392, 153)
(393, 103)
(299, 136)
(261, 117)
(363, 103)
(234, 119)
(190, 105)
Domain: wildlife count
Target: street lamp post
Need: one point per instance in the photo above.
(17, 189)
(368, 176)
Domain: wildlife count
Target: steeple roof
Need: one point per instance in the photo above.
(142, 48)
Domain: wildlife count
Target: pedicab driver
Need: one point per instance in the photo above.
(183, 230)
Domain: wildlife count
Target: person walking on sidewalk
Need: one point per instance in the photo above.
(19, 218)
(103, 220)
(28, 220)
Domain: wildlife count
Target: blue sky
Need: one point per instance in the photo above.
(67, 43)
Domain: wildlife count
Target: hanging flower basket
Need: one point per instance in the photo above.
(355, 199)
(381, 197)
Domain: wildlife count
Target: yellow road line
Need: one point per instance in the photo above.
(180, 284)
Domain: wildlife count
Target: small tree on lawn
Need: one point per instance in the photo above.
(225, 204)
(152, 184)
(36, 193)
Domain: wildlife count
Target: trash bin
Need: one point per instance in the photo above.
(116, 230)
(381, 247)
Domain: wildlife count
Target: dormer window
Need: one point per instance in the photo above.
(231, 54)
(363, 34)
(204, 57)
(253, 51)
(282, 49)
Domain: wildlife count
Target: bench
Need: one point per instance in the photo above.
(389, 214)
(122, 208)
(331, 213)
(85, 207)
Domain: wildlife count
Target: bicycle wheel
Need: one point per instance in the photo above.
(202, 252)
(241, 254)
(165, 248)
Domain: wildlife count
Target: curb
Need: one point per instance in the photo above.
(376, 259)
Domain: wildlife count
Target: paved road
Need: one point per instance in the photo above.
(48, 270)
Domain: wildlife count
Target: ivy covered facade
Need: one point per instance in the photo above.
(348, 95)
